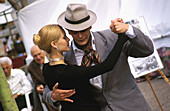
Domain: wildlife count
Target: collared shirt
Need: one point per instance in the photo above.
(96, 81)
(18, 82)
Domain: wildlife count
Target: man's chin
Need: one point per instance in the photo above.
(40, 62)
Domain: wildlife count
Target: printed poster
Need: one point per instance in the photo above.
(146, 65)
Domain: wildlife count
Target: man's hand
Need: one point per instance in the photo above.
(40, 89)
(61, 95)
(117, 26)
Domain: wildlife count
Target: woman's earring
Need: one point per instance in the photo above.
(56, 47)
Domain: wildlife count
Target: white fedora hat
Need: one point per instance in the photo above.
(77, 17)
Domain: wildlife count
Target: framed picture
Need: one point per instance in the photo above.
(143, 66)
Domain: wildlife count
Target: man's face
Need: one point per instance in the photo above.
(80, 37)
(38, 56)
(7, 69)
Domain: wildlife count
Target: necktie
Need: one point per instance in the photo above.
(90, 56)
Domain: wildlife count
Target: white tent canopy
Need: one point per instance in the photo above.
(42, 12)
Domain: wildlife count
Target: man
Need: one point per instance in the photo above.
(117, 90)
(34, 69)
(17, 80)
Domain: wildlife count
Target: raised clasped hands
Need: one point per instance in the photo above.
(62, 95)
(118, 26)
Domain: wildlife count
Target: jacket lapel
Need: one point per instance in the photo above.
(103, 51)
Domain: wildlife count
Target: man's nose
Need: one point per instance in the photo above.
(79, 34)
(38, 56)
(5, 70)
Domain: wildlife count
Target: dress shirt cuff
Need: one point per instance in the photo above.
(130, 32)
(53, 100)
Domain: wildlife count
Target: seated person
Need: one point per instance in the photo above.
(34, 68)
(17, 80)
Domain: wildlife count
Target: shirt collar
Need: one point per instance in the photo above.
(46, 60)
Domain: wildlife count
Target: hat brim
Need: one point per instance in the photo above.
(77, 27)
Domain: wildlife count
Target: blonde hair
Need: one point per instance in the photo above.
(46, 35)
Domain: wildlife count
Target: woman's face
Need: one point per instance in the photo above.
(63, 43)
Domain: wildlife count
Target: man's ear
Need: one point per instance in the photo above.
(44, 53)
(11, 66)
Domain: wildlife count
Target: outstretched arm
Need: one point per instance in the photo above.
(76, 75)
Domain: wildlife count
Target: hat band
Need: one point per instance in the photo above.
(77, 22)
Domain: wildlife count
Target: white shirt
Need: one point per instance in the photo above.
(97, 81)
(18, 82)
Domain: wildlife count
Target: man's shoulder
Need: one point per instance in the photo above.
(17, 72)
(32, 64)
(102, 31)
(104, 34)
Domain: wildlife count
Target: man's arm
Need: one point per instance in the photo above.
(140, 44)
(57, 95)
(26, 85)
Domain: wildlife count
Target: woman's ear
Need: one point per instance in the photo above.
(53, 44)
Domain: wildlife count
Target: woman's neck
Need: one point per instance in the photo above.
(56, 59)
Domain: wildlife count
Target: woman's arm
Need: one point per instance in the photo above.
(78, 72)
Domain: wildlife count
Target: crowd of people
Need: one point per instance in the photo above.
(93, 73)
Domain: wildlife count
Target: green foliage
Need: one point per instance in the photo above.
(6, 96)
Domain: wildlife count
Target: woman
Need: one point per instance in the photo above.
(54, 41)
